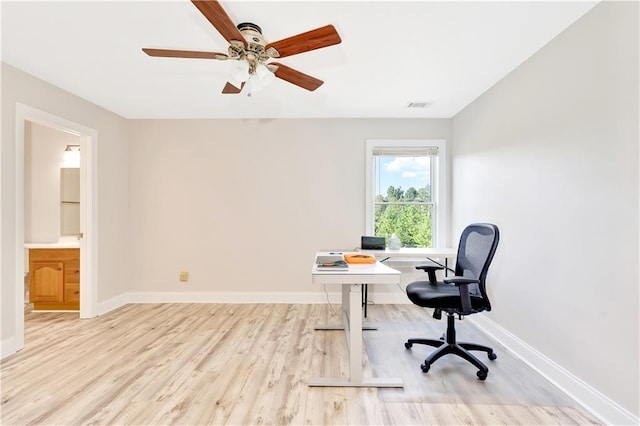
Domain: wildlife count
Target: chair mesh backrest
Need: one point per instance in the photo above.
(477, 246)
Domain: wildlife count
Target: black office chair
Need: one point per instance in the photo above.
(462, 294)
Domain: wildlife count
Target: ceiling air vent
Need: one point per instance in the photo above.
(419, 104)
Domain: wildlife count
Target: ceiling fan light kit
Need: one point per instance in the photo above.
(248, 46)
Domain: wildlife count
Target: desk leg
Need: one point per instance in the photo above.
(355, 333)
(352, 320)
(365, 295)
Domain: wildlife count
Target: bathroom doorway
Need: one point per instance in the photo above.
(86, 138)
(51, 218)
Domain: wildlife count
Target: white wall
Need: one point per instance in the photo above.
(550, 154)
(43, 158)
(112, 208)
(243, 205)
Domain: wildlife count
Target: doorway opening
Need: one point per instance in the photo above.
(87, 140)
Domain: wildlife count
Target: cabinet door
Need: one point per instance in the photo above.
(47, 282)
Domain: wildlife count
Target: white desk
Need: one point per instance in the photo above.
(351, 281)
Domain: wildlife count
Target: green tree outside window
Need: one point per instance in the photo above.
(408, 214)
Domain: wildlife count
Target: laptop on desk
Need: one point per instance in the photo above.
(331, 261)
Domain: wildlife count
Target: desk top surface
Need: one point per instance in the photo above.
(371, 273)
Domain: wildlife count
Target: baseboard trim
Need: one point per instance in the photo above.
(593, 400)
(330, 296)
(233, 297)
(113, 303)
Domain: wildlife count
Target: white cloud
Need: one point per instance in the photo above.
(401, 164)
(408, 171)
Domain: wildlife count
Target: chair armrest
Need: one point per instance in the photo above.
(431, 271)
(460, 280)
(429, 267)
(463, 286)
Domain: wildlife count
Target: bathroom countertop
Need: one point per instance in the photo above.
(60, 244)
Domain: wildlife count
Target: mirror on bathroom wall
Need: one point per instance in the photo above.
(69, 202)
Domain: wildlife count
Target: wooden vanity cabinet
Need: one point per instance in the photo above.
(54, 278)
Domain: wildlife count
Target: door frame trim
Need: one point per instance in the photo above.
(88, 210)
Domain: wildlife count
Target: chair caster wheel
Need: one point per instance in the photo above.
(408, 345)
(492, 356)
(482, 374)
(425, 367)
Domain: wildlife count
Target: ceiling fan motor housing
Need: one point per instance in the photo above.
(254, 52)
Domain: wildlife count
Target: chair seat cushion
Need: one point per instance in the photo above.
(440, 295)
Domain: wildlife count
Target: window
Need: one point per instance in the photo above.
(406, 191)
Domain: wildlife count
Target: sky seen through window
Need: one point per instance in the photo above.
(404, 172)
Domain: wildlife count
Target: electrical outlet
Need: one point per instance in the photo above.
(184, 276)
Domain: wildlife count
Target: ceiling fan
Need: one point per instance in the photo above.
(252, 51)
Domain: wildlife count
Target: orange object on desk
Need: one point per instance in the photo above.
(359, 258)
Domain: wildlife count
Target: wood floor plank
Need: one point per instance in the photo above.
(203, 364)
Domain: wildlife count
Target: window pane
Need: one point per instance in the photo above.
(403, 178)
(411, 223)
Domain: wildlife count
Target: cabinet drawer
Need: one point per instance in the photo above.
(66, 254)
(72, 271)
(72, 292)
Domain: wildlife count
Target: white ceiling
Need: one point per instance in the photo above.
(391, 53)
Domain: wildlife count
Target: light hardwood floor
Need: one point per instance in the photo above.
(197, 364)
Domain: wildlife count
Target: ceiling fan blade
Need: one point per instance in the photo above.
(230, 89)
(304, 42)
(296, 77)
(213, 11)
(168, 53)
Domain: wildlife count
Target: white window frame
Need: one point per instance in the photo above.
(439, 183)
